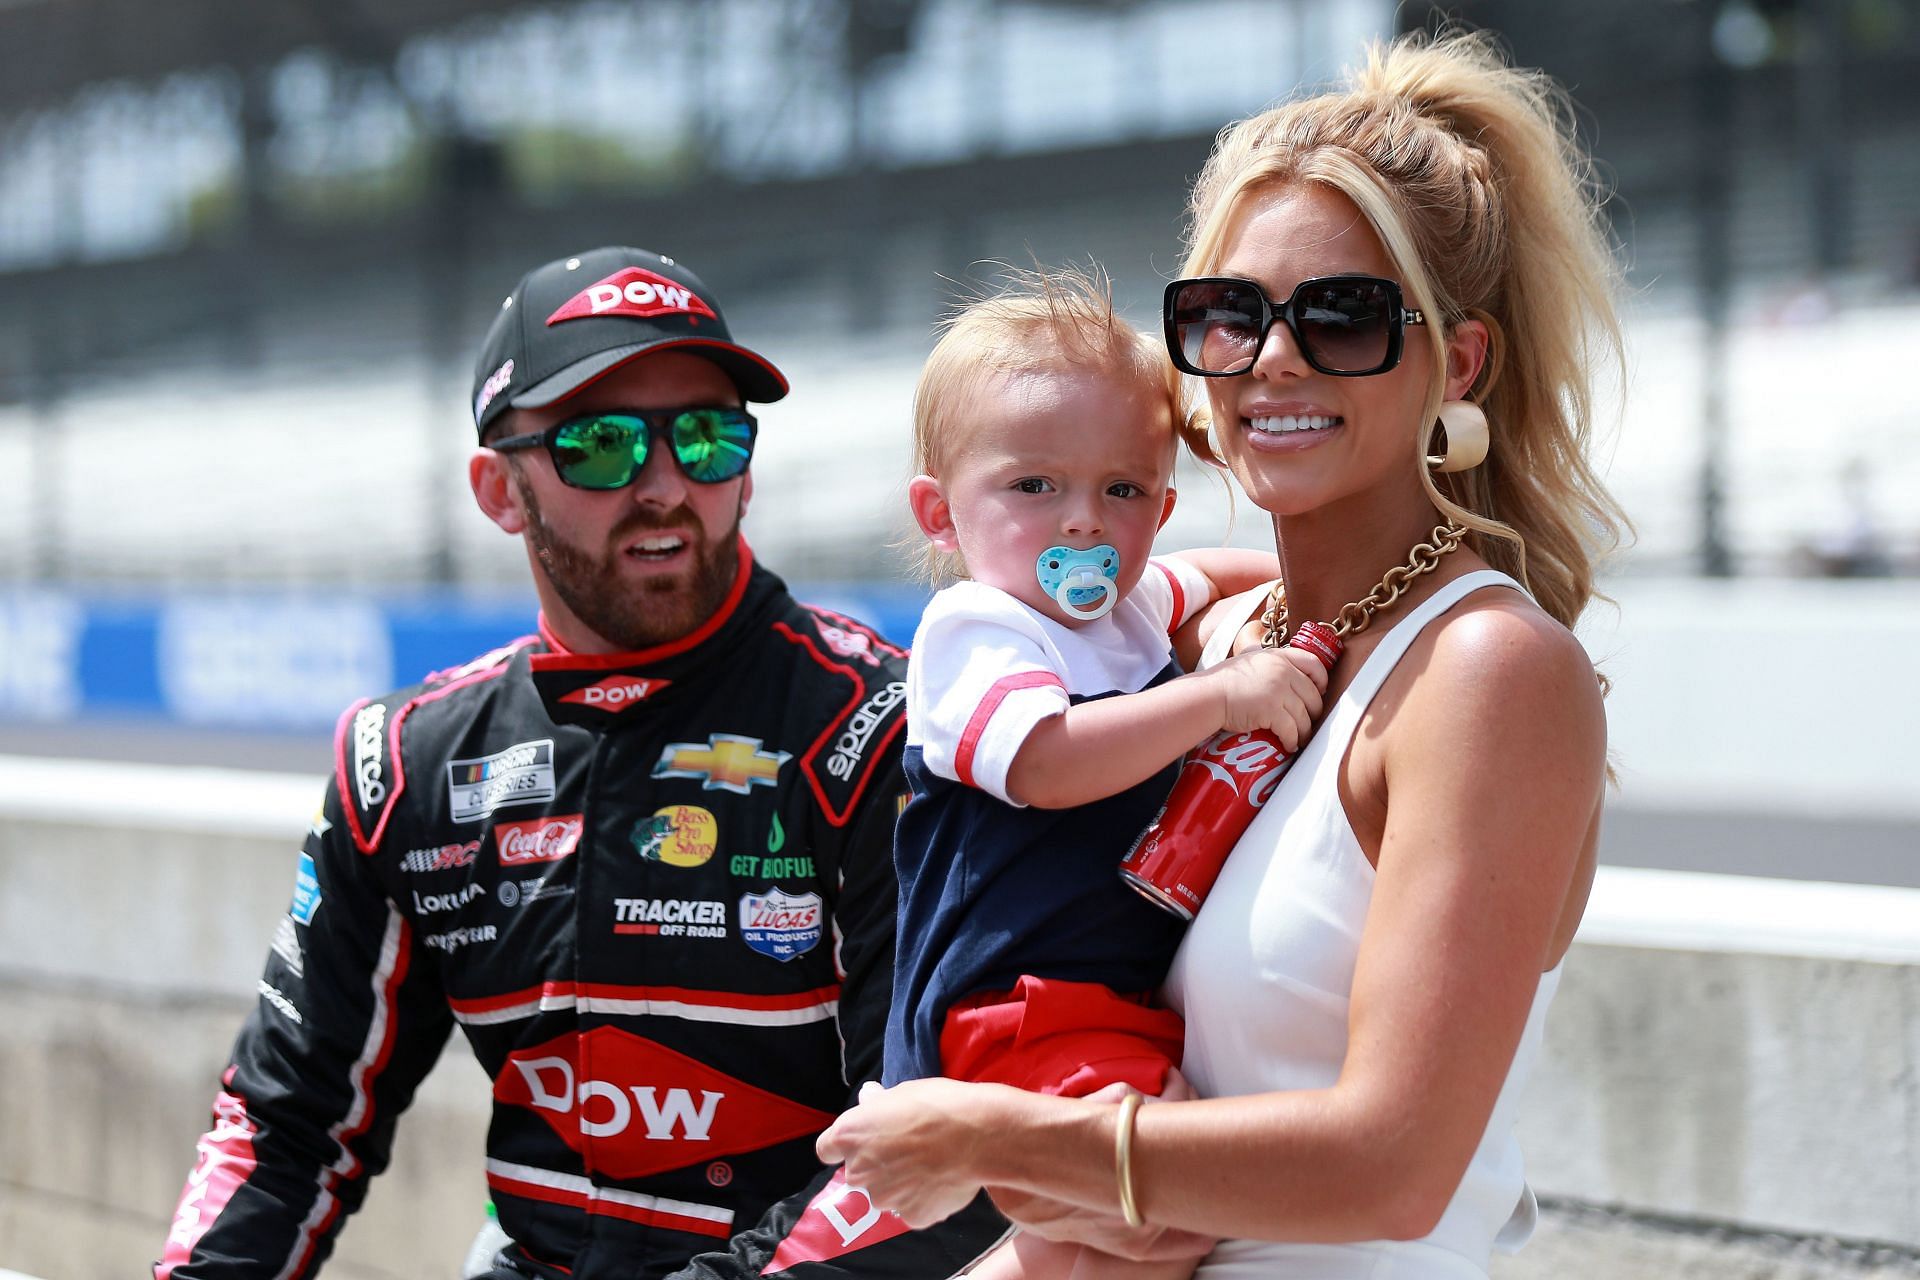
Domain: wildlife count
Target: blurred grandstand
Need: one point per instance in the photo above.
(247, 248)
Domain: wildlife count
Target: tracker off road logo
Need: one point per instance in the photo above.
(634, 291)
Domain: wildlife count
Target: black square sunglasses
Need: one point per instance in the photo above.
(1350, 326)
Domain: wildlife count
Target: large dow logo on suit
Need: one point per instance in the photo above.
(643, 1108)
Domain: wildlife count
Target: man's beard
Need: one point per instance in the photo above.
(626, 615)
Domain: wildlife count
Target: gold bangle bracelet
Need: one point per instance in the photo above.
(1123, 1159)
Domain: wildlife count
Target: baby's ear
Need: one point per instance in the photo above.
(932, 514)
(1166, 509)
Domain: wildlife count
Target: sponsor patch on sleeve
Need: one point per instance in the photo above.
(306, 892)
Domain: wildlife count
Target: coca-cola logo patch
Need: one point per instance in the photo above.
(641, 1109)
(546, 839)
(634, 291)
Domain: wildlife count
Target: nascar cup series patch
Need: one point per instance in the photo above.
(780, 924)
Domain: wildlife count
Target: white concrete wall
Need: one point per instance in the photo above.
(1726, 1052)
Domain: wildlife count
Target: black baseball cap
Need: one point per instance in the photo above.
(572, 320)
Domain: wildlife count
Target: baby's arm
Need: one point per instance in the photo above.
(1095, 749)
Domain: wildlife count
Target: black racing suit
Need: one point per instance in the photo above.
(655, 891)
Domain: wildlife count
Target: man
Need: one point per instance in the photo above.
(643, 859)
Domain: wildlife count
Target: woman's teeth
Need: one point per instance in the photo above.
(1294, 422)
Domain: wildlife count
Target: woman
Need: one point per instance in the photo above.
(1365, 988)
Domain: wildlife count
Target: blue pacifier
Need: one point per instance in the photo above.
(1080, 582)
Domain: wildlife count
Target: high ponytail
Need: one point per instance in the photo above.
(1469, 172)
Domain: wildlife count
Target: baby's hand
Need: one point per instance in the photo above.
(1275, 689)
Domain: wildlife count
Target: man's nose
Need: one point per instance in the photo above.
(660, 481)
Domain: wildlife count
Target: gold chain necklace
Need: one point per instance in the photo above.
(1353, 618)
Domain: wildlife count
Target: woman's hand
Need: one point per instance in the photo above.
(1107, 1232)
(912, 1148)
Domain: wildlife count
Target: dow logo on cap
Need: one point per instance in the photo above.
(634, 291)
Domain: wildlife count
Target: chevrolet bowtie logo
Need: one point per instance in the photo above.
(728, 762)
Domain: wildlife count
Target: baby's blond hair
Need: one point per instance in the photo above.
(1037, 321)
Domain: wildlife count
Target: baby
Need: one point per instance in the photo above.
(1046, 714)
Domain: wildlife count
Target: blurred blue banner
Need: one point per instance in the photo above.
(275, 660)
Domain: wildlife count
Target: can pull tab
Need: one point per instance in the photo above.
(1082, 582)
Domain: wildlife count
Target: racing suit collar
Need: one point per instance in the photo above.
(594, 689)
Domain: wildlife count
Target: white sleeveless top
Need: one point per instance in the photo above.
(1266, 972)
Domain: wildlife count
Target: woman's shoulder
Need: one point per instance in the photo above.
(1496, 660)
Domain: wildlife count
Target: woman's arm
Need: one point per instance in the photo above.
(1231, 570)
(1492, 764)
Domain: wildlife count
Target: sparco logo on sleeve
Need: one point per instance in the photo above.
(634, 291)
(369, 779)
(522, 774)
(852, 742)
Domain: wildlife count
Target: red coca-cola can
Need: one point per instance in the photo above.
(1224, 782)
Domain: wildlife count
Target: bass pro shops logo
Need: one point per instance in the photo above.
(634, 291)
(646, 1109)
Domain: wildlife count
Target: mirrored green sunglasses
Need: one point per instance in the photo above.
(607, 450)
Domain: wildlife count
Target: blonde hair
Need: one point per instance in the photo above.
(1036, 321)
(1468, 171)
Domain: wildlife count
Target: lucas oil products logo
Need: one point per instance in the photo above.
(522, 774)
(852, 742)
(780, 924)
(724, 762)
(633, 291)
(539, 840)
(616, 693)
(680, 835)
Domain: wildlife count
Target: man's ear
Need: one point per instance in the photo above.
(491, 476)
(932, 514)
(746, 492)
(1166, 508)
